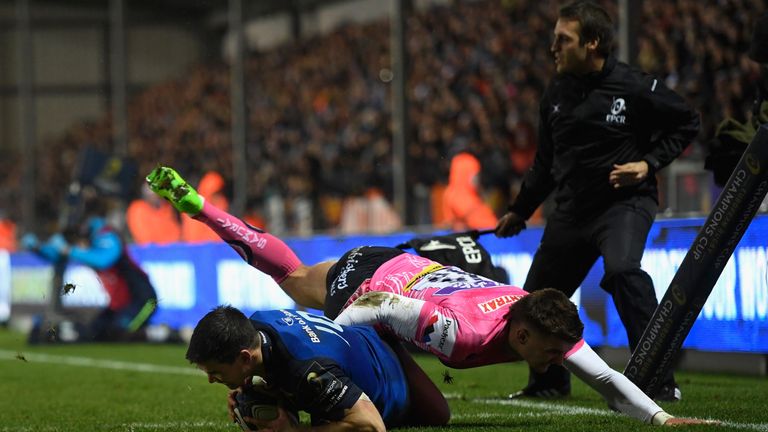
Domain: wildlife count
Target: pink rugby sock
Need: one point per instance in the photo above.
(258, 248)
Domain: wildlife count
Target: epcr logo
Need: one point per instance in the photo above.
(678, 294)
(753, 163)
(618, 106)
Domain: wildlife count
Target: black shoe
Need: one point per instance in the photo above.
(668, 393)
(534, 391)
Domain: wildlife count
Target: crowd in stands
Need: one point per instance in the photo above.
(319, 115)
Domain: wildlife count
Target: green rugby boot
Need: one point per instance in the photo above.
(167, 183)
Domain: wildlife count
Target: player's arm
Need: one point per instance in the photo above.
(620, 393)
(399, 313)
(412, 320)
(362, 416)
(333, 400)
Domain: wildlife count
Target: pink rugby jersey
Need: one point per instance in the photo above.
(462, 320)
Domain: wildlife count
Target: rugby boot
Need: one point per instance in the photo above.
(167, 183)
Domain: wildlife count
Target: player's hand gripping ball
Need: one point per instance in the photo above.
(260, 404)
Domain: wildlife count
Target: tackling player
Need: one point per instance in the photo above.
(345, 377)
(464, 319)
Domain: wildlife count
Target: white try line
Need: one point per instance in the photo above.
(575, 410)
(97, 363)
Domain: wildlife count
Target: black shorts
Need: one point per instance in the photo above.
(350, 271)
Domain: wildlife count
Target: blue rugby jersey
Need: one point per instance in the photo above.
(322, 367)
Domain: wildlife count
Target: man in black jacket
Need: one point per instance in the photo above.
(605, 129)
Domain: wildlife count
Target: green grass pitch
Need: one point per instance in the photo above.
(113, 387)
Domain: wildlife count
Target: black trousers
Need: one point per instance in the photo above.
(568, 250)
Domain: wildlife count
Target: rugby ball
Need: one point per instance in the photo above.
(260, 405)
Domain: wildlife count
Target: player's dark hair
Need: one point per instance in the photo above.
(221, 335)
(595, 23)
(550, 312)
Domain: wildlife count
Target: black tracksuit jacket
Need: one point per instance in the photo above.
(588, 124)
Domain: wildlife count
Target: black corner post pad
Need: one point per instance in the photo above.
(692, 284)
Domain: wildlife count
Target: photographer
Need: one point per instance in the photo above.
(96, 244)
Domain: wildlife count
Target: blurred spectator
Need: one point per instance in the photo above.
(151, 219)
(437, 208)
(463, 205)
(254, 214)
(212, 187)
(7, 233)
(369, 213)
(734, 136)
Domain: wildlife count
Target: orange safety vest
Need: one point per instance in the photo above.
(463, 207)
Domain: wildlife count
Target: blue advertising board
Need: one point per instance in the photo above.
(191, 279)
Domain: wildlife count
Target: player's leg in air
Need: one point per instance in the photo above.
(304, 284)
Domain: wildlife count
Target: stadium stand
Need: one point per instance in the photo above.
(319, 111)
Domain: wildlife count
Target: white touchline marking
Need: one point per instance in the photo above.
(558, 408)
(466, 416)
(573, 410)
(197, 424)
(153, 368)
(91, 362)
(202, 425)
(762, 427)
